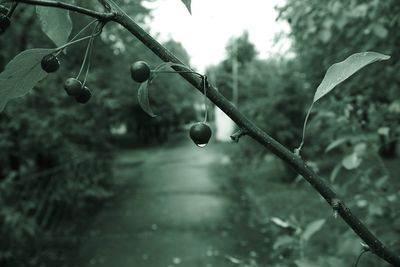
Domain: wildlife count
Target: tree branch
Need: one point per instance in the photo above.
(104, 16)
(267, 141)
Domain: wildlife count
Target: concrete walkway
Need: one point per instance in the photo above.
(170, 211)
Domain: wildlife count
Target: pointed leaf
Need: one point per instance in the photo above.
(336, 143)
(21, 74)
(143, 98)
(283, 241)
(312, 228)
(281, 223)
(335, 171)
(339, 72)
(188, 4)
(56, 23)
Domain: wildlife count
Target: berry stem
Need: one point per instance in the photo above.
(178, 71)
(83, 29)
(73, 42)
(89, 61)
(204, 77)
(87, 55)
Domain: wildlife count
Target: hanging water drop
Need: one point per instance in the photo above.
(201, 145)
(200, 133)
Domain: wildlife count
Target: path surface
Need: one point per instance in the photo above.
(171, 211)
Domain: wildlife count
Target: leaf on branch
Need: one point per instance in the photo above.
(188, 4)
(56, 24)
(143, 98)
(21, 74)
(339, 72)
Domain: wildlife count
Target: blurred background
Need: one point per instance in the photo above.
(104, 184)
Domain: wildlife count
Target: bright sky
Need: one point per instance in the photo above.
(206, 33)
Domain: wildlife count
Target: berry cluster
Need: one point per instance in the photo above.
(73, 87)
(200, 132)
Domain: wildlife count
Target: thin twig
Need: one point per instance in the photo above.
(104, 16)
(237, 135)
(359, 257)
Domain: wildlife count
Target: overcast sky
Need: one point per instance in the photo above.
(213, 22)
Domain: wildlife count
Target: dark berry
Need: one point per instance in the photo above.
(84, 96)
(200, 133)
(73, 86)
(50, 63)
(4, 23)
(140, 71)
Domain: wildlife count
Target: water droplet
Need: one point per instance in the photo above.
(201, 145)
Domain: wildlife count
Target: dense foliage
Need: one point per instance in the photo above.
(56, 154)
(351, 138)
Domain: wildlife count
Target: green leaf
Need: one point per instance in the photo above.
(143, 92)
(352, 161)
(56, 23)
(21, 74)
(339, 72)
(143, 98)
(335, 171)
(283, 241)
(336, 143)
(188, 4)
(312, 228)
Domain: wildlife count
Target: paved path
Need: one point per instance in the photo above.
(171, 211)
